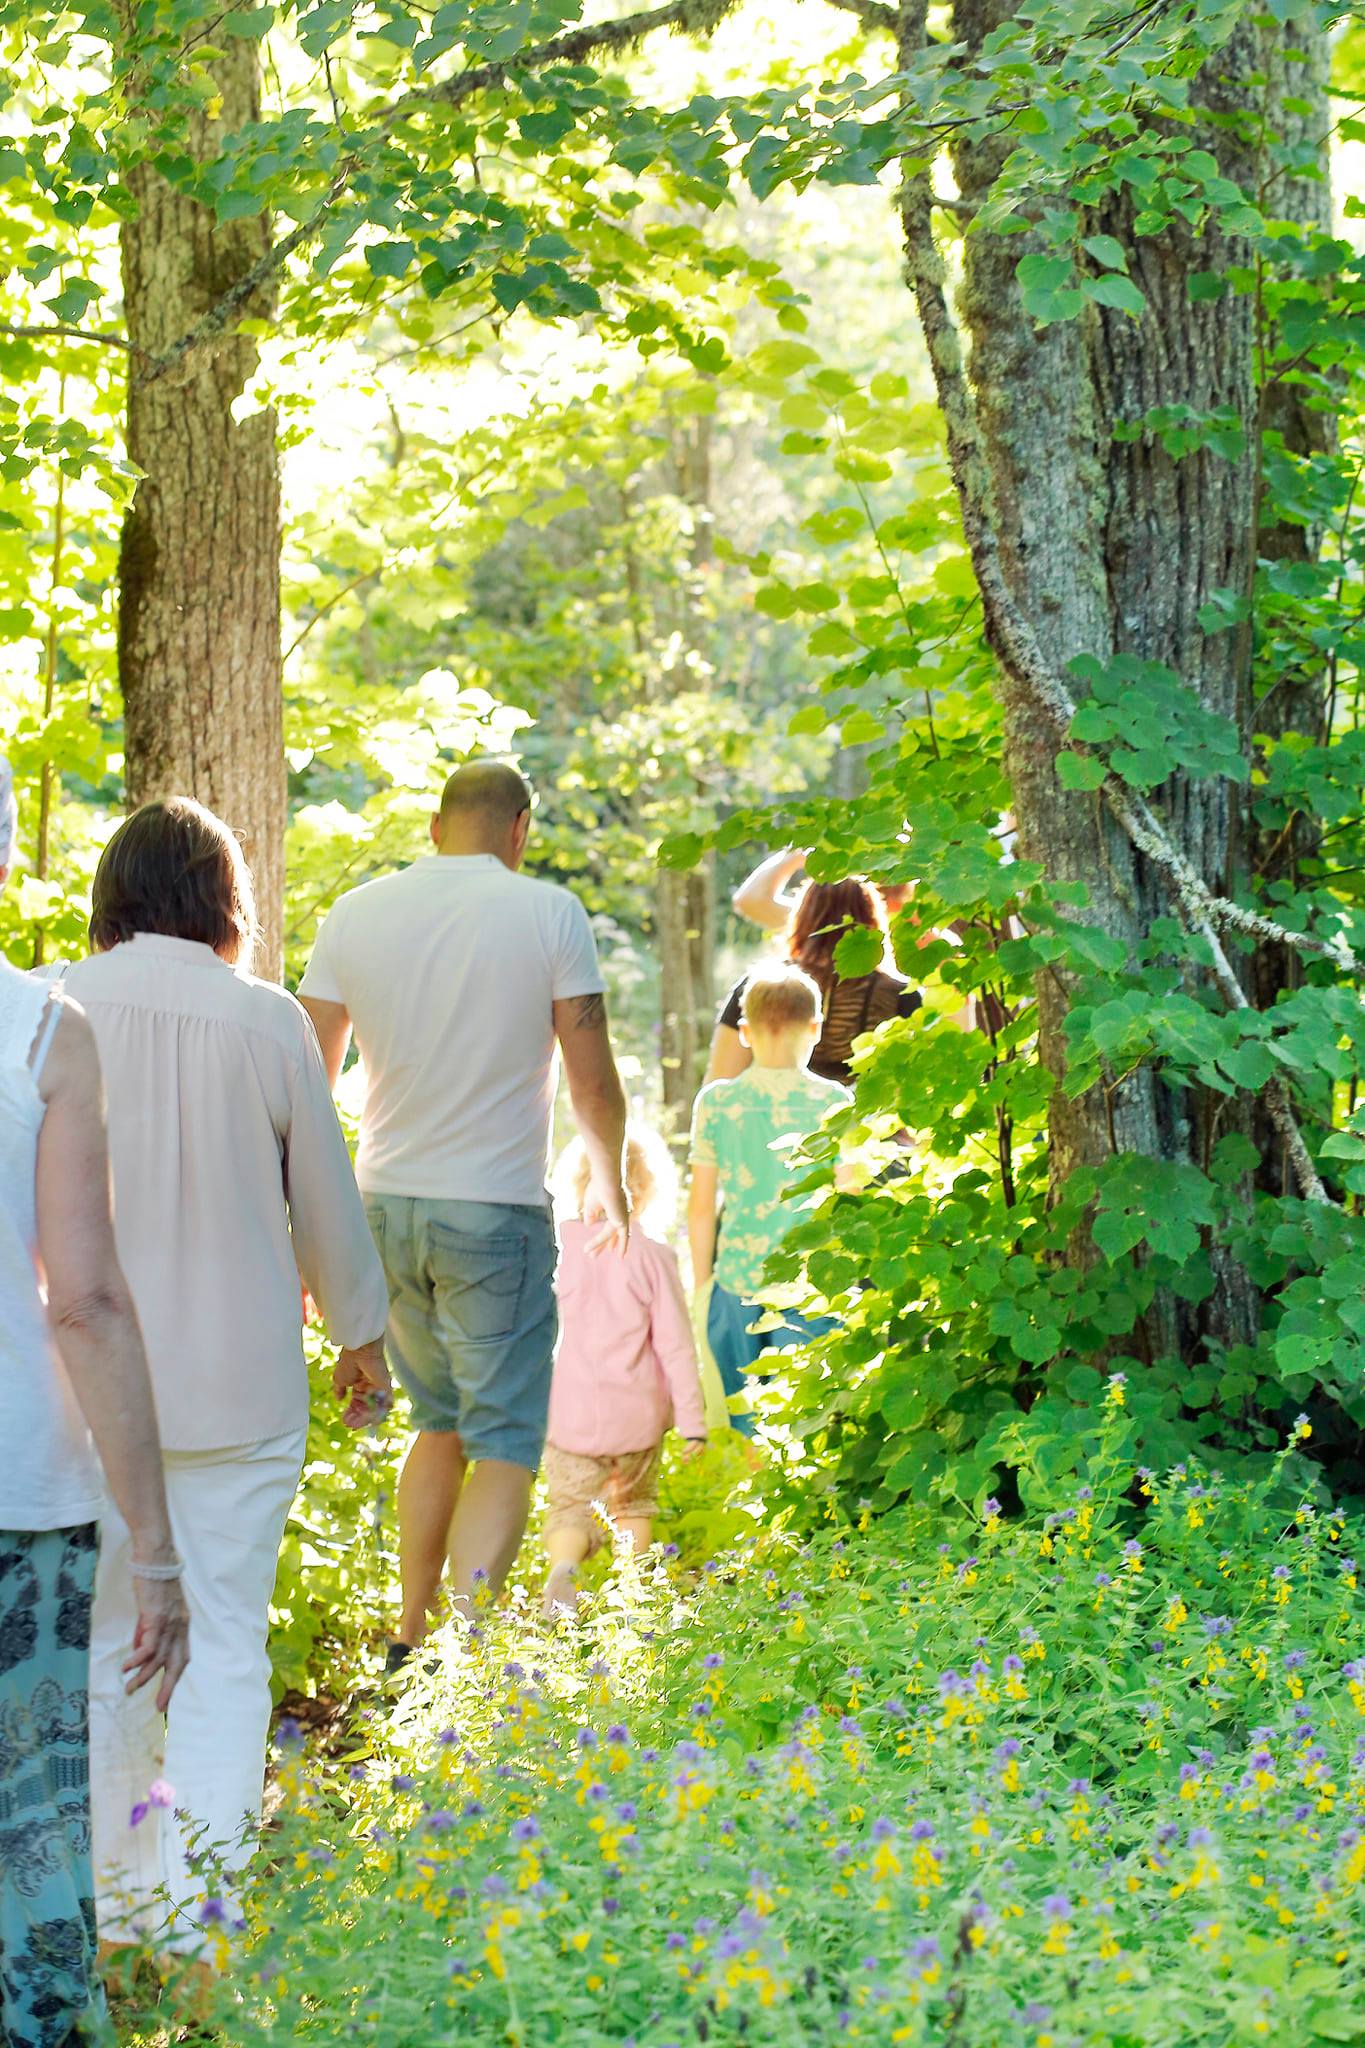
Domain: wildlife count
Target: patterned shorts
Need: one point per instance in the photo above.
(48, 1981)
(628, 1486)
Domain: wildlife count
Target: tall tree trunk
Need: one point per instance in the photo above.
(685, 923)
(686, 903)
(199, 569)
(1299, 699)
(1112, 547)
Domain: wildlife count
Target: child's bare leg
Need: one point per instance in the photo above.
(637, 1530)
(565, 1549)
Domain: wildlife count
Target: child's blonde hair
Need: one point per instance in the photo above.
(651, 1179)
(781, 998)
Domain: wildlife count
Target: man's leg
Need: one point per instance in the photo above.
(492, 1274)
(489, 1524)
(428, 1492)
(434, 1468)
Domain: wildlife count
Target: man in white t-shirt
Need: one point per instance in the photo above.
(463, 980)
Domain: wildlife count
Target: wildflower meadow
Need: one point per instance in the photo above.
(1095, 1776)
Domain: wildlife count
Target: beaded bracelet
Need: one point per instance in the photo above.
(160, 1572)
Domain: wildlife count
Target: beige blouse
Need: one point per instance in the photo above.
(231, 1178)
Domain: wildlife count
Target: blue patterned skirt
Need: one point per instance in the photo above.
(49, 1987)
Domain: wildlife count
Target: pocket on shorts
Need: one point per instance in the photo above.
(377, 1217)
(479, 1280)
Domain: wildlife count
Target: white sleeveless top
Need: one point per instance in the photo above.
(48, 1475)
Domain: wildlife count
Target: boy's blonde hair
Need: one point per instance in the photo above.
(651, 1179)
(781, 998)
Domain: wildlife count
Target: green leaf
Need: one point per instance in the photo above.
(390, 259)
(74, 301)
(1120, 293)
(1079, 771)
(1046, 288)
(775, 601)
(858, 952)
(861, 728)
(1205, 284)
(810, 718)
(1106, 251)
(682, 850)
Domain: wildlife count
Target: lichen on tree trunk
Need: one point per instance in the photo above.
(199, 570)
(1113, 547)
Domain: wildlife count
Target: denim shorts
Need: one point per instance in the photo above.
(472, 1318)
(737, 1347)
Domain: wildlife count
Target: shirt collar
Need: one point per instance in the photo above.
(465, 860)
(160, 945)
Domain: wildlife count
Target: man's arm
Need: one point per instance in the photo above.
(762, 897)
(599, 1105)
(701, 1222)
(332, 1023)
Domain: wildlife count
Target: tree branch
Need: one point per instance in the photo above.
(872, 14)
(1017, 645)
(694, 17)
(53, 331)
(686, 16)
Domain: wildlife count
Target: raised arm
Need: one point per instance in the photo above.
(762, 897)
(599, 1105)
(95, 1325)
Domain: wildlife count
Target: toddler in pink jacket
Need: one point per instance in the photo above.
(625, 1372)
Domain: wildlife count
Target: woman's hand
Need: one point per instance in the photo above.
(162, 1640)
(361, 1379)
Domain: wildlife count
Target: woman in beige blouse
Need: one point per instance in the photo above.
(231, 1178)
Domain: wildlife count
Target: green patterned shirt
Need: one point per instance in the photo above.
(746, 1128)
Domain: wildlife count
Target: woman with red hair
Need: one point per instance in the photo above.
(853, 1005)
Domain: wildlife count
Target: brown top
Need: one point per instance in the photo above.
(852, 1007)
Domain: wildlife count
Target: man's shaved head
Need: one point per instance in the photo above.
(492, 792)
(486, 808)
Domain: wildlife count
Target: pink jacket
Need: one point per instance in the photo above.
(626, 1369)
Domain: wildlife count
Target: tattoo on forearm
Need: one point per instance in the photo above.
(591, 1012)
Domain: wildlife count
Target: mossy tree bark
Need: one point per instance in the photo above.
(199, 571)
(1111, 547)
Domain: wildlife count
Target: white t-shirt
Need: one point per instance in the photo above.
(449, 971)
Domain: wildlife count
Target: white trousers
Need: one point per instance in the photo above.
(228, 1512)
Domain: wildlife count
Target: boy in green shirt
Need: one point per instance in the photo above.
(742, 1133)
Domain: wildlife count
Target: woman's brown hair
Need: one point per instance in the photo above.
(826, 911)
(175, 869)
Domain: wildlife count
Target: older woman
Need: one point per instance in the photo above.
(54, 1212)
(231, 1177)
